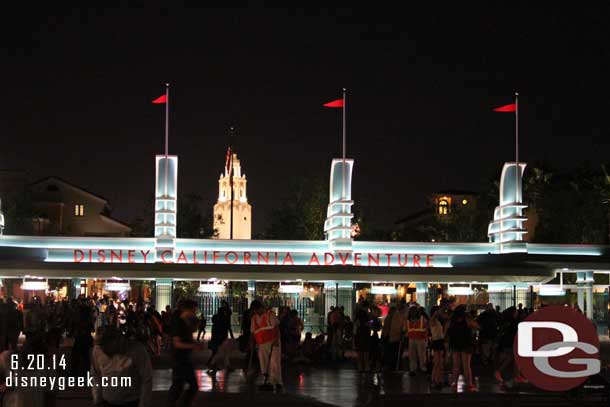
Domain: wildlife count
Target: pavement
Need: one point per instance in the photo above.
(341, 385)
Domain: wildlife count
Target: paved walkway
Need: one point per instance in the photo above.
(345, 387)
(341, 385)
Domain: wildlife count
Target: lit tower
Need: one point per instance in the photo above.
(232, 180)
(166, 194)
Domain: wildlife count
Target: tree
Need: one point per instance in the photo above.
(367, 232)
(191, 221)
(571, 209)
(604, 190)
(302, 215)
(19, 213)
(143, 224)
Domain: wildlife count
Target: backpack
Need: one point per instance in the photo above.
(120, 365)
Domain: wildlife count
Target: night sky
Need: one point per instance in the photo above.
(422, 82)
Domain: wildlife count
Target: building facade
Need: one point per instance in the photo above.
(61, 208)
(310, 276)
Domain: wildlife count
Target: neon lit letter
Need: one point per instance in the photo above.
(80, 253)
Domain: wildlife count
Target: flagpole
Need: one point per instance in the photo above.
(517, 198)
(344, 144)
(166, 120)
(166, 135)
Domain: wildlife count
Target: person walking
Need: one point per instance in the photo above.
(461, 345)
(14, 324)
(183, 370)
(329, 326)
(417, 333)
(201, 326)
(116, 356)
(3, 323)
(266, 334)
(362, 336)
(437, 345)
(395, 336)
(375, 351)
(488, 334)
(219, 335)
(82, 327)
(508, 331)
(295, 329)
(225, 316)
(246, 334)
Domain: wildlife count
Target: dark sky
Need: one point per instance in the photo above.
(422, 82)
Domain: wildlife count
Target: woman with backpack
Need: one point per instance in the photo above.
(461, 344)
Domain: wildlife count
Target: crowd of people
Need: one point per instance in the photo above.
(376, 337)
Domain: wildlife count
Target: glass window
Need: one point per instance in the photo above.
(443, 207)
(79, 210)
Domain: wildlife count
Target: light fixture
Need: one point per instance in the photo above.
(460, 290)
(383, 289)
(464, 201)
(116, 284)
(498, 287)
(34, 284)
(550, 290)
(211, 287)
(290, 288)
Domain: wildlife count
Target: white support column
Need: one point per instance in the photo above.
(580, 297)
(580, 293)
(589, 292)
(584, 281)
(251, 291)
(75, 288)
(589, 288)
(163, 293)
(421, 291)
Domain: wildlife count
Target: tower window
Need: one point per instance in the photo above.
(443, 207)
(79, 210)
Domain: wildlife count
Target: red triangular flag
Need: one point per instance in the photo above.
(506, 108)
(160, 100)
(228, 162)
(334, 103)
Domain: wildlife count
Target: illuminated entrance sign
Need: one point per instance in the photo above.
(259, 258)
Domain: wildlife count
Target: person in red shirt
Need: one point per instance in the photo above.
(417, 332)
(266, 333)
